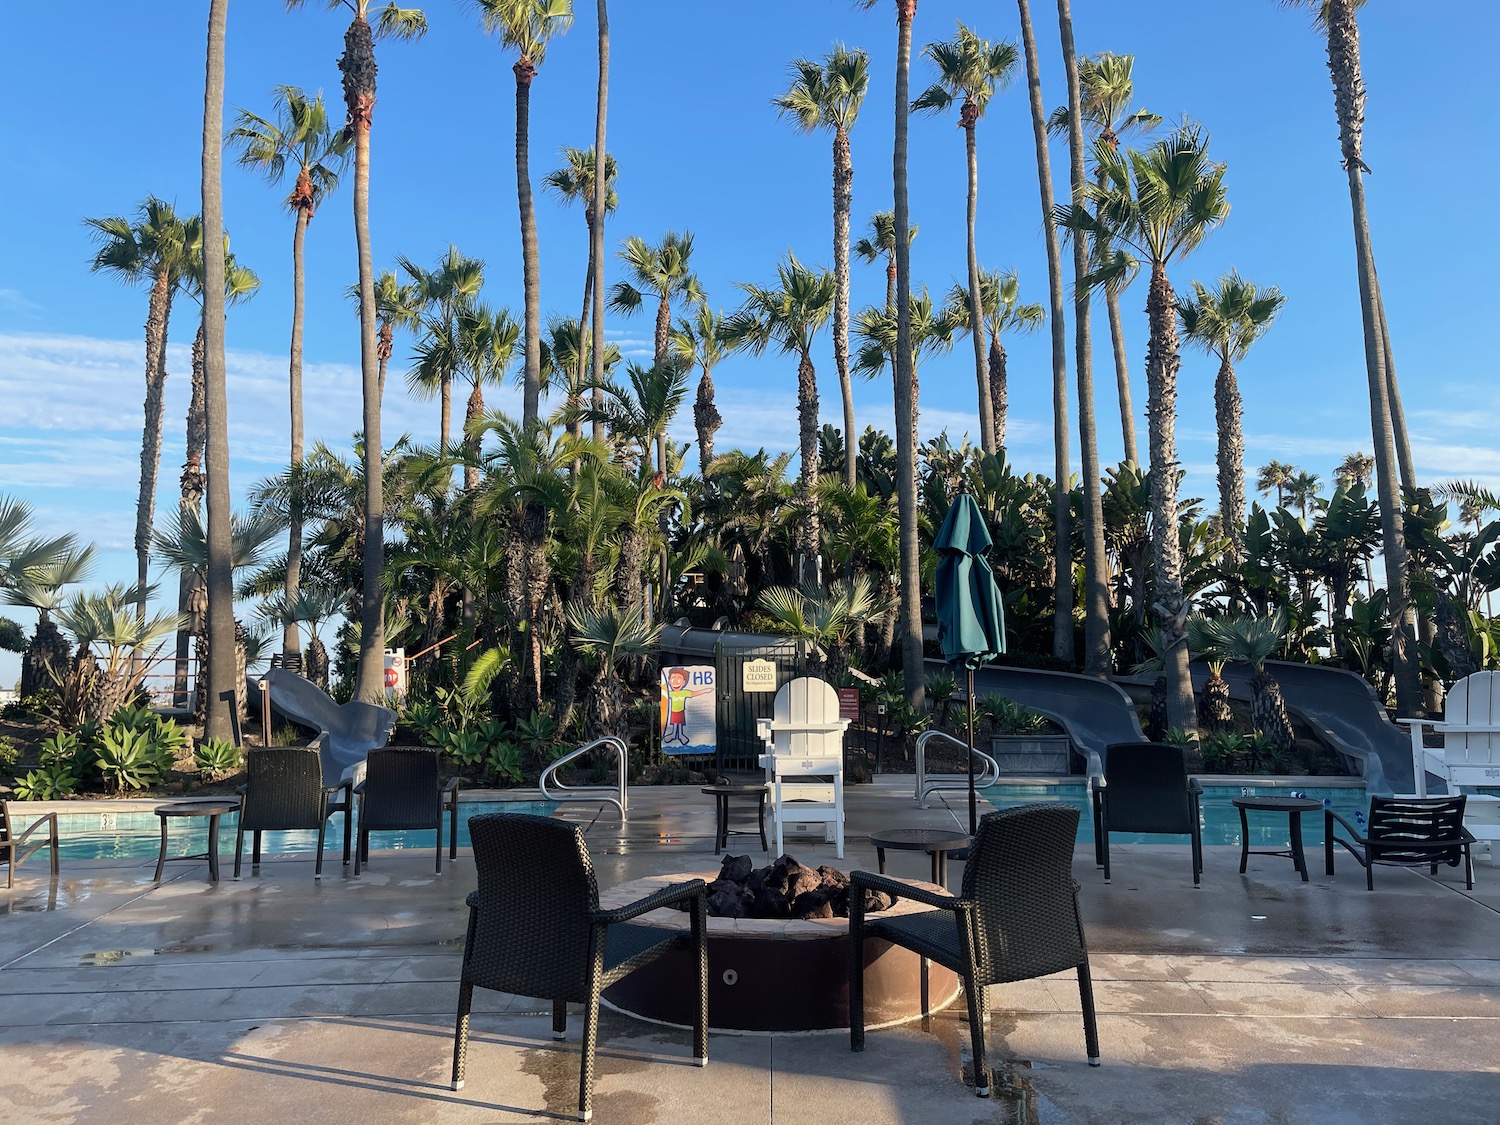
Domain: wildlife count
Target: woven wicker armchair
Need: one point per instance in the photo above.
(1405, 832)
(283, 792)
(13, 845)
(1146, 788)
(535, 929)
(400, 793)
(1016, 918)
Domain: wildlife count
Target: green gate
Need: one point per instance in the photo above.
(739, 746)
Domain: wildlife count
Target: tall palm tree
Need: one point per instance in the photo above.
(662, 271)
(1338, 21)
(1274, 476)
(397, 305)
(1062, 580)
(1355, 468)
(699, 340)
(597, 207)
(1159, 204)
(1107, 87)
(904, 377)
(828, 95)
(357, 66)
(790, 316)
(526, 27)
(1002, 310)
(641, 410)
(881, 243)
(153, 249)
(574, 181)
(299, 138)
(1225, 322)
(487, 340)
(441, 293)
(1302, 490)
(969, 71)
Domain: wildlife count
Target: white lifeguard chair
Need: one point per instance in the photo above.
(804, 759)
(1470, 755)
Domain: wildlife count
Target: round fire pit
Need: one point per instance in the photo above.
(775, 975)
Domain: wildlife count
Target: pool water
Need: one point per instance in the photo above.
(1219, 819)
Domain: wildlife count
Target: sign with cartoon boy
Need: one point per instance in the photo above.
(687, 709)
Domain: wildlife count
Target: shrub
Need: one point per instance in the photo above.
(538, 733)
(1006, 716)
(504, 761)
(464, 747)
(217, 756)
(10, 754)
(63, 748)
(168, 739)
(1219, 749)
(127, 758)
(49, 783)
(422, 717)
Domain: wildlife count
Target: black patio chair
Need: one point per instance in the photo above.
(284, 792)
(400, 793)
(1016, 918)
(1146, 788)
(535, 929)
(13, 845)
(1405, 832)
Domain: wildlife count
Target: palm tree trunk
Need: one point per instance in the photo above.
(1062, 582)
(906, 378)
(473, 410)
(1162, 361)
(192, 484)
(807, 419)
(291, 636)
(1227, 414)
(221, 626)
(1349, 101)
(575, 426)
(999, 393)
(662, 336)
(532, 391)
(1393, 389)
(1096, 646)
(1122, 374)
(158, 313)
(357, 65)
(843, 190)
(967, 118)
(707, 420)
(596, 228)
(383, 348)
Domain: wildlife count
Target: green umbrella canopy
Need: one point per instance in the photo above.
(970, 613)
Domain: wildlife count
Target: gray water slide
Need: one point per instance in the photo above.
(349, 731)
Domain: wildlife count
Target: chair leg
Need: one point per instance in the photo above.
(453, 828)
(255, 850)
(974, 997)
(559, 1019)
(586, 1064)
(1099, 844)
(1468, 867)
(239, 845)
(857, 974)
(361, 855)
(1197, 857)
(461, 1033)
(348, 823)
(318, 868)
(1090, 1019)
(52, 834)
(1369, 871)
(700, 943)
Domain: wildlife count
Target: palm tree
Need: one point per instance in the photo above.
(1062, 581)
(1338, 21)
(1354, 469)
(790, 316)
(357, 66)
(1225, 322)
(699, 340)
(441, 294)
(1302, 490)
(527, 26)
(1000, 304)
(828, 95)
(1274, 476)
(575, 181)
(153, 249)
(881, 243)
(1107, 87)
(662, 271)
(616, 638)
(830, 621)
(487, 340)
(969, 71)
(597, 207)
(641, 410)
(1159, 203)
(396, 306)
(1252, 641)
(299, 138)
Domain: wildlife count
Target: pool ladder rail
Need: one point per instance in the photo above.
(617, 794)
(988, 773)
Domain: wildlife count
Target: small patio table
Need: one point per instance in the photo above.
(721, 792)
(1294, 807)
(188, 809)
(936, 842)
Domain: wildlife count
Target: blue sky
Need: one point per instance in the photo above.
(102, 110)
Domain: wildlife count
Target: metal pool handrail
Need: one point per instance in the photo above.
(617, 794)
(951, 782)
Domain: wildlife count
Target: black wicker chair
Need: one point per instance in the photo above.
(13, 845)
(400, 792)
(535, 929)
(283, 792)
(1405, 832)
(1017, 918)
(1146, 788)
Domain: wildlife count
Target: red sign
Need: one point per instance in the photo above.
(848, 703)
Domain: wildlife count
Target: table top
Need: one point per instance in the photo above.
(920, 839)
(198, 808)
(734, 787)
(1277, 804)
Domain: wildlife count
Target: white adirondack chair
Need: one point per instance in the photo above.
(1470, 755)
(804, 759)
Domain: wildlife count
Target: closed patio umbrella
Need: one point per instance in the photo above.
(970, 612)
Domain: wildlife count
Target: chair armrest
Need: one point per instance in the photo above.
(49, 818)
(1329, 815)
(866, 880)
(453, 784)
(347, 788)
(471, 900)
(242, 789)
(667, 896)
(1195, 786)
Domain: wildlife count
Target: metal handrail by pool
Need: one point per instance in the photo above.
(617, 795)
(951, 783)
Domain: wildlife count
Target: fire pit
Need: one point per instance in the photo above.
(775, 974)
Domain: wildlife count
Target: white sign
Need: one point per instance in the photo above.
(395, 674)
(759, 675)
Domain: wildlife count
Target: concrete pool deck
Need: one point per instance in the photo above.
(1256, 999)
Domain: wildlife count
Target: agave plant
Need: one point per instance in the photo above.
(1252, 640)
(48, 783)
(127, 758)
(217, 756)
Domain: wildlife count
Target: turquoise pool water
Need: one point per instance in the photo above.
(1220, 820)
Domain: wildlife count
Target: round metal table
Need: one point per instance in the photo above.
(1294, 807)
(188, 809)
(721, 794)
(936, 842)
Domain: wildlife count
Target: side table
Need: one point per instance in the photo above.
(183, 810)
(721, 793)
(936, 842)
(1294, 807)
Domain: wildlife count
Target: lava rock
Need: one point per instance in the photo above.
(770, 904)
(812, 905)
(877, 900)
(727, 904)
(736, 868)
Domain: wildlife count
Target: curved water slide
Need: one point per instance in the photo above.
(347, 731)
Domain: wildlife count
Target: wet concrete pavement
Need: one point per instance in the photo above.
(1255, 999)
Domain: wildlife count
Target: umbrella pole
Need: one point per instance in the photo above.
(973, 798)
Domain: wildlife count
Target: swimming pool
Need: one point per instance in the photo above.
(1219, 818)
